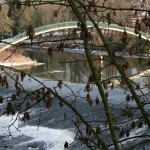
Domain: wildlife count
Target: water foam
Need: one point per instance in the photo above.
(53, 138)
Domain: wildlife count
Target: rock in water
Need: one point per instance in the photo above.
(66, 145)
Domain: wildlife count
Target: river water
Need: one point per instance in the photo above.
(77, 71)
(54, 129)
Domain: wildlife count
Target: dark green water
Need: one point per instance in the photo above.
(78, 71)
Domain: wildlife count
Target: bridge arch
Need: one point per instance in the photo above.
(67, 25)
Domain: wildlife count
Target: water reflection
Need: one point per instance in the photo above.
(71, 72)
(76, 72)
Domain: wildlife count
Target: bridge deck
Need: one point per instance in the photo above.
(66, 25)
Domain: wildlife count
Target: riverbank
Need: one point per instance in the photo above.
(9, 58)
(96, 52)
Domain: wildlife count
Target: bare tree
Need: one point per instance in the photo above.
(118, 123)
(5, 21)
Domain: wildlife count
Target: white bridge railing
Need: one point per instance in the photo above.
(6, 43)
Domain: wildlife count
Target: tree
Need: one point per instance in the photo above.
(5, 21)
(130, 116)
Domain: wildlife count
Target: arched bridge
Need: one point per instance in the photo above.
(66, 25)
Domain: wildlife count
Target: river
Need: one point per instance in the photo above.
(77, 71)
(54, 129)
